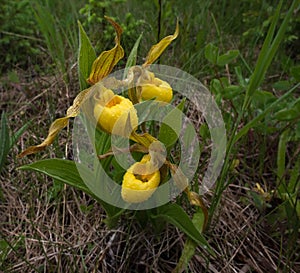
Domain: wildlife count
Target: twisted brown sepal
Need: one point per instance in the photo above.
(157, 49)
(104, 64)
(58, 125)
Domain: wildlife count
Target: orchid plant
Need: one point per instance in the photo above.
(116, 114)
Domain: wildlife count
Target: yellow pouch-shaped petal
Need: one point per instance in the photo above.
(158, 89)
(110, 108)
(152, 87)
(138, 188)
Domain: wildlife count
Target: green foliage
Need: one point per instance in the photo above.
(57, 22)
(100, 32)
(8, 139)
(18, 41)
(253, 105)
(190, 246)
(52, 35)
(212, 55)
(288, 190)
(132, 58)
(268, 51)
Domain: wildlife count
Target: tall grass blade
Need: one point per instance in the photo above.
(281, 186)
(52, 35)
(13, 139)
(4, 140)
(268, 51)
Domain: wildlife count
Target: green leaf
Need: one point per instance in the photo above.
(131, 61)
(228, 57)
(190, 246)
(204, 131)
(168, 134)
(287, 114)
(211, 53)
(4, 143)
(282, 85)
(292, 112)
(66, 171)
(232, 91)
(295, 72)
(61, 170)
(86, 57)
(175, 215)
(261, 99)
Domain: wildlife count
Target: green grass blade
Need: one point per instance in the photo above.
(258, 118)
(17, 135)
(52, 35)
(4, 140)
(281, 186)
(261, 65)
(268, 51)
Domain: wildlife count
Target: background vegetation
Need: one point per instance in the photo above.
(254, 209)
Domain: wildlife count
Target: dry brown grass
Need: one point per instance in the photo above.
(66, 232)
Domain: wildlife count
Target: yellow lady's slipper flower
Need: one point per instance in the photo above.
(155, 88)
(110, 108)
(101, 67)
(152, 87)
(139, 187)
